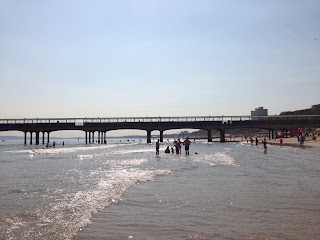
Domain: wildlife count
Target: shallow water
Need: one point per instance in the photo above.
(122, 190)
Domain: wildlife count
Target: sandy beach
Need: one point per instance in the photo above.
(290, 141)
(293, 141)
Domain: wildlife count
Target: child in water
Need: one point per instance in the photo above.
(167, 150)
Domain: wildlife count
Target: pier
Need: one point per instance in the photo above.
(100, 126)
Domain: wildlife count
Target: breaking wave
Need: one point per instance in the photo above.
(70, 212)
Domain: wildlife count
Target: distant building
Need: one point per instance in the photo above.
(260, 111)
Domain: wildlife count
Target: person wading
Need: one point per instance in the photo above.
(187, 145)
(157, 147)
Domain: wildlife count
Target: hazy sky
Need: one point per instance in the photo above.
(157, 58)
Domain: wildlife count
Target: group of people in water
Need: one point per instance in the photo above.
(263, 141)
(53, 145)
(177, 145)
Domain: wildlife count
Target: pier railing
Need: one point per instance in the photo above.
(81, 121)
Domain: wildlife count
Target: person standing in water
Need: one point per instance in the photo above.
(176, 145)
(179, 146)
(157, 147)
(187, 145)
(265, 145)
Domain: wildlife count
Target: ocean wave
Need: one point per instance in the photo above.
(70, 212)
(29, 151)
(113, 153)
(46, 151)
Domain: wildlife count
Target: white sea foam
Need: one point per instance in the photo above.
(220, 158)
(120, 152)
(130, 151)
(132, 162)
(108, 189)
(84, 156)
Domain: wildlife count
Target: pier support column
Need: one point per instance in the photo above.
(103, 137)
(286, 133)
(37, 138)
(269, 135)
(209, 136)
(48, 137)
(25, 138)
(148, 136)
(31, 138)
(43, 137)
(98, 136)
(222, 136)
(105, 140)
(92, 137)
(86, 137)
(89, 137)
(272, 134)
(161, 136)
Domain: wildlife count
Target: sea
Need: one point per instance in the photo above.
(123, 190)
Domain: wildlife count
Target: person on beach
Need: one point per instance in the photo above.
(281, 141)
(157, 147)
(257, 141)
(187, 145)
(172, 151)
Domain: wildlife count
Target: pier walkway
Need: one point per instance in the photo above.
(102, 125)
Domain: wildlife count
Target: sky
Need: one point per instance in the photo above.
(127, 58)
